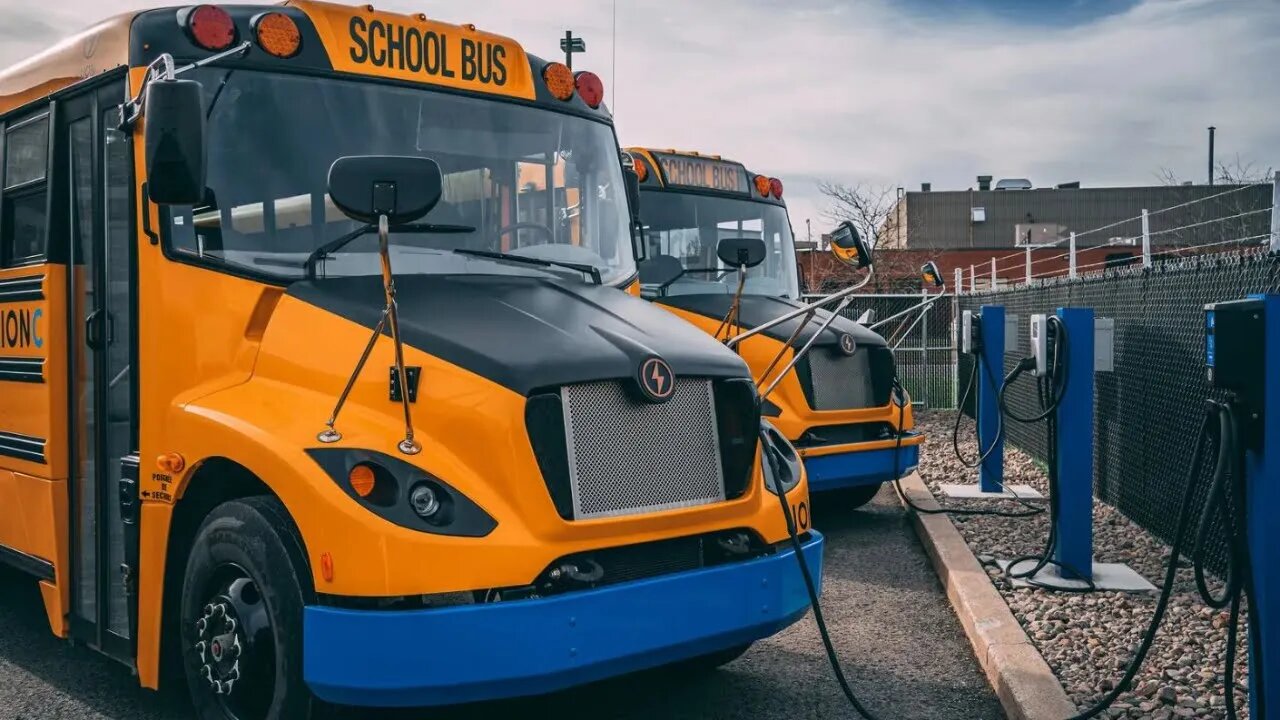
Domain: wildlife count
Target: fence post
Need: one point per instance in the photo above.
(959, 281)
(973, 278)
(1146, 240)
(1275, 213)
(1028, 263)
(924, 347)
(1072, 255)
(993, 273)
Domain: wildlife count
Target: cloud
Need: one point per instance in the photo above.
(901, 92)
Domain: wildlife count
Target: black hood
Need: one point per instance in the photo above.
(757, 310)
(527, 333)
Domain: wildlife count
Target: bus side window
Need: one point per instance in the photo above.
(24, 210)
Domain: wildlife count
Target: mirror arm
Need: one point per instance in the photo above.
(924, 305)
(807, 346)
(162, 68)
(735, 305)
(800, 311)
(330, 247)
(785, 346)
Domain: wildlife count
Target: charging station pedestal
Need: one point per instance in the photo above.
(1074, 498)
(990, 361)
(1242, 346)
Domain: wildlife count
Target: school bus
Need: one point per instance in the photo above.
(317, 386)
(840, 406)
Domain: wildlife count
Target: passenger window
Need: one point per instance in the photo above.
(24, 210)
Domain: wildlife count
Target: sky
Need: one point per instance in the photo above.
(890, 92)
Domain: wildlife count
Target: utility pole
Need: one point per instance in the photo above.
(570, 45)
(1212, 129)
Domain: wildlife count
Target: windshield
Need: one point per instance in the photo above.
(688, 226)
(530, 181)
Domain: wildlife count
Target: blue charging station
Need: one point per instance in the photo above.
(1242, 347)
(987, 408)
(1074, 523)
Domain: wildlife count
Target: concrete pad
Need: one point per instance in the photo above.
(1026, 687)
(975, 492)
(1106, 576)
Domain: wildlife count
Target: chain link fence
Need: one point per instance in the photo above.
(1148, 411)
(923, 342)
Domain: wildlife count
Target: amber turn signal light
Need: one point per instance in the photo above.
(171, 463)
(363, 480)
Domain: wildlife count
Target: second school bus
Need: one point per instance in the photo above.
(536, 481)
(839, 406)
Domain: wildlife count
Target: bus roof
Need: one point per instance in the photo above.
(337, 39)
(90, 52)
(670, 169)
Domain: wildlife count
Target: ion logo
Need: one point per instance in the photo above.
(21, 328)
(847, 345)
(656, 379)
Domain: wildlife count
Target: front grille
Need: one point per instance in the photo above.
(835, 381)
(844, 434)
(627, 456)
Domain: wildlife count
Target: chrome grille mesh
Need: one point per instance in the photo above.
(840, 382)
(628, 456)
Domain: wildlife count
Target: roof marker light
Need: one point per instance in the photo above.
(559, 80)
(590, 88)
(209, 26)
(277, 34)
(775, 187)
(762, 185)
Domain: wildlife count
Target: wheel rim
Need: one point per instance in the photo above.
(234, 646)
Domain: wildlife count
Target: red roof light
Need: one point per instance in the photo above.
(775, 187)
(590, 88)
(209, 26)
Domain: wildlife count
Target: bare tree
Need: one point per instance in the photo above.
(873, 210)
(1232, 215)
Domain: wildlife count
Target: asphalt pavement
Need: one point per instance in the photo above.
(900, 643)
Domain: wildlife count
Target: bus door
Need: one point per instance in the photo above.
(103, 379)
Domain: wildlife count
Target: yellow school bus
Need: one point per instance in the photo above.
(839, 406)
(316, 385)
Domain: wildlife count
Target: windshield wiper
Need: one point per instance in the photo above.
(590, 271)
(338, 243)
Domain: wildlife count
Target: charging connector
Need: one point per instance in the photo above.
(970, 332)
(1040, 344)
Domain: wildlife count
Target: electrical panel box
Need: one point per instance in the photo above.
(1010, 333)
(1040, 344)
(1104, 344)
(1234, 347)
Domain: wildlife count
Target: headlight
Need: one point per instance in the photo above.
(402, 493)
(780, 459)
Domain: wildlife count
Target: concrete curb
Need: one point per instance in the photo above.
(1023, 682)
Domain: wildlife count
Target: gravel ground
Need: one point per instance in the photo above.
(1088, 639)
(902, 648)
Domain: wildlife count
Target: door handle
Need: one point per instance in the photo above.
(93, 327)
(91, 330)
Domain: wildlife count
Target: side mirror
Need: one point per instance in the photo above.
(931, 275)
(849, 247)
(740, 252)
(174, 142)
(660, 271)
(404, 188)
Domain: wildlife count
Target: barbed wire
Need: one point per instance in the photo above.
(1138, 218)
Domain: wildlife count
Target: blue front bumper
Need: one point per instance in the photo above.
(527, 647)
(865, 467)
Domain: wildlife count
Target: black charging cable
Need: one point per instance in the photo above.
(1228, 487)
(768, 453)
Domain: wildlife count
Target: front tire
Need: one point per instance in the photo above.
(243, 592)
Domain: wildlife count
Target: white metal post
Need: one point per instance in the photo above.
(1028, 264)
(993, 273)
(973, 278)
(1071, 253)
(959, 281)
(1146, 240)
(1275, 213)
